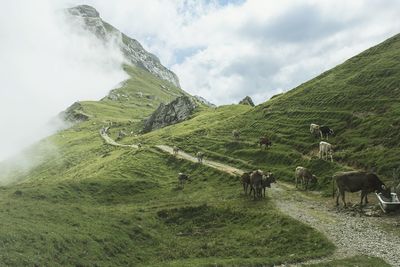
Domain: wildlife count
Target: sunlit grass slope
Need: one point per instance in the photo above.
(91, 204)
(359, 99)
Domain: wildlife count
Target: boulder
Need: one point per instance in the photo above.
(247, 101)
(176, 111)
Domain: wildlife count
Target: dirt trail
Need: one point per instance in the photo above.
(110, 141)
(351, 233)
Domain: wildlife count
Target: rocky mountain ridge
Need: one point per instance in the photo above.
(133, 51)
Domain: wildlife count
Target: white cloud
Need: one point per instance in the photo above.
(218, 50)
(46, 66)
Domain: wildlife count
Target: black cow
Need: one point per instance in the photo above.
(325, 131)
(355, 181)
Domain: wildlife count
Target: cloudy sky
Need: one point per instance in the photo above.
(222, 50)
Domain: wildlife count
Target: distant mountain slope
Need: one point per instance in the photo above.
(132, 49)
(359, 99)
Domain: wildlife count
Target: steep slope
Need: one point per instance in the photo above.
(131, 48)
(88, 203)
(359, 99)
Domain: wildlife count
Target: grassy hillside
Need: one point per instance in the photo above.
(359, 99)
(91, 204)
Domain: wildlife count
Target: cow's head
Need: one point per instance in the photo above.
(314, 179)
(331, 132)
(270, 177)
(385, 191)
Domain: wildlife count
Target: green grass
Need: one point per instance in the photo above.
(90, 204)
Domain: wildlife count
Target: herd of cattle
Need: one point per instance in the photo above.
(352, 181)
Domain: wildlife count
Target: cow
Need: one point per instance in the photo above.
(325, 150)
(182, 178)
(175, 150)
(267, 181)
(256, 178)
(139, 145)
(305, 177)
(236, 134)
(314, 129)
(354, 181)
(325, 131)
(264, 141)
(200, 156)
(245, 179)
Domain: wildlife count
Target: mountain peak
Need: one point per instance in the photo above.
(84, 11)
(132, 50)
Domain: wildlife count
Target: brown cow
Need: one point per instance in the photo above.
(305, 177)
(245, 179)
(256, 183)
(354, 181)
(264, 141)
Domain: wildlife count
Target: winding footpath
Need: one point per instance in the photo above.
(352, 235)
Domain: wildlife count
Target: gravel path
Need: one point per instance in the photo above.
(110, 141)
(351, 232)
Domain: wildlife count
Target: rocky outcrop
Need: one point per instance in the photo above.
(167, 114)
(74, 113)
(132, 49)
(204, 101)
(247, 101)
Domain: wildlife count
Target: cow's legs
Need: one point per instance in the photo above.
(337, 197)
(343, 198)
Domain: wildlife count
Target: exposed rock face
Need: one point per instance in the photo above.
(132, 49)
(74, 113)
(178, 110)
(247, 101)
(204, 101)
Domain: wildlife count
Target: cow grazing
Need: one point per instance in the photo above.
(236, 135)
(325, 150)
(267, 181)
(304, 176)
(314, 129)
(182, 178)
(325, 131)
(200, 156)
(256, 178)
(354, 181)
(264, 141)
(175, 150)
(245, 179)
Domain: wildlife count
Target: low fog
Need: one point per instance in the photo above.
(46, 65)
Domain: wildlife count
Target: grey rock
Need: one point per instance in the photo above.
(90, 20)
(247, 101)
(74, 113)
(167, 114)
(204, 101)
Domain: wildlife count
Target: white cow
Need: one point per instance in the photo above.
(325, 150)
(314, 128)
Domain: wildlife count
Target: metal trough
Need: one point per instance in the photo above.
(388, 204)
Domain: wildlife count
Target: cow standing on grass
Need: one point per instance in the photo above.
(325, 131)
(325, 150)
(256, 178)
(245, 179)
(200, 156)
(182, 178)
(236, 135)
(264, 141)
(314, 129)
(354, 181)
(304, 176)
